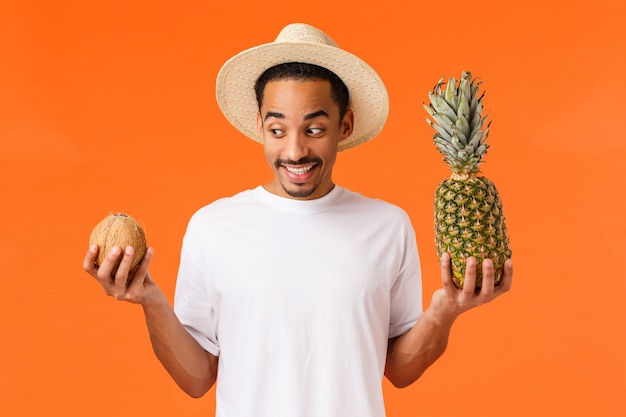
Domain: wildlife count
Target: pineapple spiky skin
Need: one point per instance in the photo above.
(469, 221)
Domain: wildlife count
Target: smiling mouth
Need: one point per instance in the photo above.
(300, 167)
(299, 170)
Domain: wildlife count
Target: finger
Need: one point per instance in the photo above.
(446, 273)
(109, 264)
(507, 277)
(141, 273)
(469, 285)
(89, 263)
(142, 268)
(488, 283)
(123, 275)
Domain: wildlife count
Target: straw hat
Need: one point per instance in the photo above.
(299, 42)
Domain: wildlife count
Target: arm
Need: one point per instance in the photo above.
(191, 367)
(410, 354)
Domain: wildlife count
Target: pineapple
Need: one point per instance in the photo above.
(468, 211)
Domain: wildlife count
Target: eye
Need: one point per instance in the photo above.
(277, 132)
(315, 131)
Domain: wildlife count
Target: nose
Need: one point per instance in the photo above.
(296, 146)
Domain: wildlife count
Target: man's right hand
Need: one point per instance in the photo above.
(135, 287)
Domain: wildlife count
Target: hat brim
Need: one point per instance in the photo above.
(368, 95)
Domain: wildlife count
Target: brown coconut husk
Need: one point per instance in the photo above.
(119, 229)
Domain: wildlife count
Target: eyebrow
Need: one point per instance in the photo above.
(316, 114)
(306, 117)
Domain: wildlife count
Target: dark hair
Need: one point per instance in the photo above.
(304, 71)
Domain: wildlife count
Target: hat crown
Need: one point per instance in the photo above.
(303, 33)
(300, 42)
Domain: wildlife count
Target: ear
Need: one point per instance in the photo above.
(347, 125)
(259, 124)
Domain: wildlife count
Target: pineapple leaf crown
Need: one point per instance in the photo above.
(458, 122)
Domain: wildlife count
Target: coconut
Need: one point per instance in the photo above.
(120, 230)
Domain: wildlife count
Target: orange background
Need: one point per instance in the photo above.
(109, 106)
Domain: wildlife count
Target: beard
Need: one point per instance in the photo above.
(300, 193)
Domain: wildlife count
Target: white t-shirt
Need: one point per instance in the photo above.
(298, 299)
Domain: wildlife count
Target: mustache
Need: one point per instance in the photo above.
(301, 161)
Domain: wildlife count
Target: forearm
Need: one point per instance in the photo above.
(191, 367)
(410, 354)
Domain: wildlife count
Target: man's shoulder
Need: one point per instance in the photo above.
(363, 202)
(241, 198)
(224, 205)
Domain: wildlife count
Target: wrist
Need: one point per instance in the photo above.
(154, 301)
(440, 315)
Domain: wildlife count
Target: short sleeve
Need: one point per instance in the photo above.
(406, 291)
(194, 304)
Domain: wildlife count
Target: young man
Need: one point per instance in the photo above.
(300, 294)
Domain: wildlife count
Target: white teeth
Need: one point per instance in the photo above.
(299, 171)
